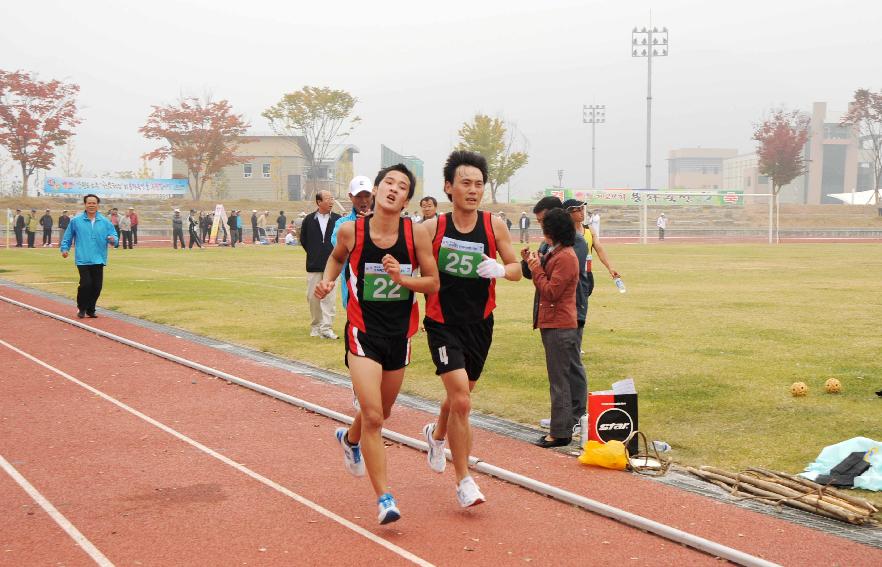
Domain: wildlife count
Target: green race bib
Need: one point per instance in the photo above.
(378, 285)
(460, 258)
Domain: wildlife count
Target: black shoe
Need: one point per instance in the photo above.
(81, 313)
(556, 442)
(92, 315)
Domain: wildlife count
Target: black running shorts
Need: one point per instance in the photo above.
(460, 346)
(392, 353)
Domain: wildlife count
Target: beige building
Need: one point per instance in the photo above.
(277, 170)
(833, 157)
(699, 169)
(741, 173)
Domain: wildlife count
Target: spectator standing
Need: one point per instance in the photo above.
(114, 220)
(261, 226)
(361, 195)
(192, 225)
(31, 224)
(429, 208)
(662, 223)
(46, 222)
(281, 223)
(89, 233)
(239, 226)
(125, 230)
(204, 226)
(178, 230)
(18, 225)
(63, 221)
(507, 221)
(524, 226)
(254, 236)
(232, 224)
(315, 236)
(133, 216)
(555, 277)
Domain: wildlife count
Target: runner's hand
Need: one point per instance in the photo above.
(490, 268)
(323, 288)
(64, 254)
(392, 267)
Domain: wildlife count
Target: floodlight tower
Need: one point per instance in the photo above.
(649, 42)
(560, 173)
(593, 114)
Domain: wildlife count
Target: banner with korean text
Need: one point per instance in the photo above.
(654, 198)
(115, 187)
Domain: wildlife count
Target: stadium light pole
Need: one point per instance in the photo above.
(649, 42)
(593, 114)
(560, 173)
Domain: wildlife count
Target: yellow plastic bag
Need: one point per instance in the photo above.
(609, 455)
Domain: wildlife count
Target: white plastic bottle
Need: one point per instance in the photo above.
(620, 284)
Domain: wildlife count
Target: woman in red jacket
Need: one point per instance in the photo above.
(555, 276)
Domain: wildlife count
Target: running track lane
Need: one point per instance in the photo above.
(141, 495)
(754, 533)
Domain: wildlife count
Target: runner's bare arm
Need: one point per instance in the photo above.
(345, 242)
(601, 255)
(430, 226)
(428, 281)
(506, 250)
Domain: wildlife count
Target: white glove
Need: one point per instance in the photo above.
(490, 268)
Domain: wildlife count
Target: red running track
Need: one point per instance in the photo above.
(141, 495)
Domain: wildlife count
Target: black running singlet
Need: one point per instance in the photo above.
(377, 305)
(464, 296)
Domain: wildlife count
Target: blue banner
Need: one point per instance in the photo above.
(113, 187)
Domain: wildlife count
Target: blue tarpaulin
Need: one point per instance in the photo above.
(834, 454)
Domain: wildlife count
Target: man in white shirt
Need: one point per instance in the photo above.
(662, 224)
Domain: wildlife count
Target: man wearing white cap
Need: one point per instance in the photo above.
(360, 193)
(662, 223)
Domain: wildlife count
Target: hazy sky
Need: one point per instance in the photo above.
(421, 69)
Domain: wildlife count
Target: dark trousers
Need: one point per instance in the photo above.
(32, 236)
(61, 234)
(91, 281)
(233, 237)
(524, 236)
(178, 234)
(135, 232)
(203, 234)
(126, 239)
(254, 235)
(566, 379)
(661, 234)
(241, 233)
(47, 236)
(19, 237)
(194, 239)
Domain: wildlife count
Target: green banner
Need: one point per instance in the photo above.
(653, 198)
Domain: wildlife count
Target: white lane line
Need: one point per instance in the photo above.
(226, 460)
(53, 512)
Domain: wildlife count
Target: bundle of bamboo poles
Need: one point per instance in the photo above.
(781, 488)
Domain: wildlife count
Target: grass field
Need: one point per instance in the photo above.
(712, 334)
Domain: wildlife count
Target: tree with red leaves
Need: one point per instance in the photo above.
(35, 117)
(782, 139)
(865, 116)
(203, 134)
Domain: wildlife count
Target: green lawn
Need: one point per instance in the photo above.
(712, 334)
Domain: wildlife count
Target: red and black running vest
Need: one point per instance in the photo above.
(464, 296)
(377, 305)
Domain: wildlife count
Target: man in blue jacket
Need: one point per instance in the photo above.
(361, 194)
(90, 233)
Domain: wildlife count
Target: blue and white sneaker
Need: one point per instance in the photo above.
(351, 453)
(468, 493)
(388, 509)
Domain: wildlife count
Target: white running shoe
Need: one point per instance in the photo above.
(328, 334)
(545, 422)
(314, 332)
(351, 453)
(388, 509)
(435, 455)
(468, 494)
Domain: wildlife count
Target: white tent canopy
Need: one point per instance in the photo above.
(859, 198)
